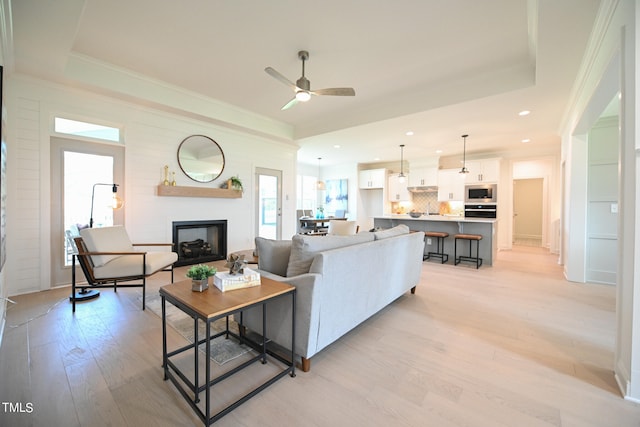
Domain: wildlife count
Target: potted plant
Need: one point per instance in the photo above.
(199, 275)
(233, 183)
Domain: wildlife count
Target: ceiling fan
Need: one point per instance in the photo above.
(302, 87)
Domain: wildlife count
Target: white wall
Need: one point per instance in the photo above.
(3, 288)
(610, 65)
(151, 140)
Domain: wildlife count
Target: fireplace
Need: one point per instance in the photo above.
(200, 241)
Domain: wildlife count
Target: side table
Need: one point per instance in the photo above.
(208, 306)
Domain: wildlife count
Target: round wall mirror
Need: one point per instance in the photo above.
(200, 158)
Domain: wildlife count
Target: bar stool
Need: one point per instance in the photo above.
(470, 238)
(439, 253)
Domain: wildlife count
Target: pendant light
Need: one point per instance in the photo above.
(320, 184)
(401, 176)
(464, 155)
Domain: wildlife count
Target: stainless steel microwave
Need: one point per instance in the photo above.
(481, 193)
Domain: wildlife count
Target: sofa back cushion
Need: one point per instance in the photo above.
(304, 248)
(398, 230)
(106, 239)
(273, 255)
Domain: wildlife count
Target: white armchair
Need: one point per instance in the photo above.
(342, 228)
(107, 257)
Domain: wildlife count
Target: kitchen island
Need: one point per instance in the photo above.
(485, 227)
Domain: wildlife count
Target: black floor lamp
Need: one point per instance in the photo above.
(86, 294)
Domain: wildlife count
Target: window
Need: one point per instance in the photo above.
(307, 197)
(90, 130)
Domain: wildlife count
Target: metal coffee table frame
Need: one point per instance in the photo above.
(194, 387)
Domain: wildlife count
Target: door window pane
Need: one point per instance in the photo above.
(81, 172)
(267, 226)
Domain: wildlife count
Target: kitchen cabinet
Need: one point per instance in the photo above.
(398, 191)
(450, 185)
(423, 177)
(483, 171)
(372, 178)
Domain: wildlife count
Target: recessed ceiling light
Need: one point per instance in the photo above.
(524, 113)
(336, 146)
(375, 159)
(438, 151)
(409, 133)
(526, 140)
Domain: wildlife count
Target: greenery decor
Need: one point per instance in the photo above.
(201, 272)
(233, 183)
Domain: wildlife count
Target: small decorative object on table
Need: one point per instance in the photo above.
(238, 277)
(236, 264)
(199, 275)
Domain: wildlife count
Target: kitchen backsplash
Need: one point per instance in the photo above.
(425, 202)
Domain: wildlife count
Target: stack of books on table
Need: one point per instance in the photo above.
(228, 282)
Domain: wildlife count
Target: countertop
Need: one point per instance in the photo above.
(445, 218)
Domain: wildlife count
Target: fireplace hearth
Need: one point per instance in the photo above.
(200, 241)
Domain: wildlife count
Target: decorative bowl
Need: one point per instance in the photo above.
(415, 214)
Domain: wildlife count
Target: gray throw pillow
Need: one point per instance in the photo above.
(392, 232)
(304, 248)
(273, 255)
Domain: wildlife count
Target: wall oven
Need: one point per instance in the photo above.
(483, 210)
(481, 193)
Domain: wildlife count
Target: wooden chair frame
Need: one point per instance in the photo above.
(86, 264)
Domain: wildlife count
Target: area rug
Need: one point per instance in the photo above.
(222, 350)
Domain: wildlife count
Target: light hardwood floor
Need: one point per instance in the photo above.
(509, 345)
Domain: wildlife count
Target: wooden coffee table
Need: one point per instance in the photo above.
(208, 306)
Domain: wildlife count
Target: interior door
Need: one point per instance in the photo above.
(527, 211)
(76, 166)
(269, 203)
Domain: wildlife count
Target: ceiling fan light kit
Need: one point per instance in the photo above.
(302, 87)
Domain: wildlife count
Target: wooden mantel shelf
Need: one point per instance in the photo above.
(179, 191)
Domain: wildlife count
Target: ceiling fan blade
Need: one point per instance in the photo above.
(290, 104)
(276, 75)
(335, 91)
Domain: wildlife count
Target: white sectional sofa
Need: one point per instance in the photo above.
(340, 282)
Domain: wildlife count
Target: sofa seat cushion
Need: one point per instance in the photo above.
(106, 239)
(304, 248)
(131, 265)
(273, 255)
(398, 230)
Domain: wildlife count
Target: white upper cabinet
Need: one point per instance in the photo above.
(423, 177)
(485, 171)
(450, 185)
(398, 191)
(372, 178)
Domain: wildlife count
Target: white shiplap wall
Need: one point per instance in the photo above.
(151, 140)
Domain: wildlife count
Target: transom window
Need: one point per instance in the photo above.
(90, 130)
